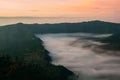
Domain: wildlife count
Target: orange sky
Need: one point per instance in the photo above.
(60, 8)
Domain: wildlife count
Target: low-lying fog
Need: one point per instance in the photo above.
(69, 50)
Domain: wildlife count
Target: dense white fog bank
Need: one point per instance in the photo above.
(68, 50)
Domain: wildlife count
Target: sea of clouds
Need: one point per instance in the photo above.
(69, 50)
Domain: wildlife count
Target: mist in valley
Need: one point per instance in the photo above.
(77, 52)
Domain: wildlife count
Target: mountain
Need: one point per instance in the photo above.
(23, 57)
(98, 27)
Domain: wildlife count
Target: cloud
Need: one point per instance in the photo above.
(33, 10)
(81, 60)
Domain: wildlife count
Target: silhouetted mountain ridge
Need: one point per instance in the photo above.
(98, 27)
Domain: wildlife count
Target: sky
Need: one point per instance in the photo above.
(61, 8)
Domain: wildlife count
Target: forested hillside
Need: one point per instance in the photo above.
(23, 57)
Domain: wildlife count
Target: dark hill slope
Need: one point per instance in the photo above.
(113, 42)
(23, 57)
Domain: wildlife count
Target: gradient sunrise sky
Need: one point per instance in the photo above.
(61, 8)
